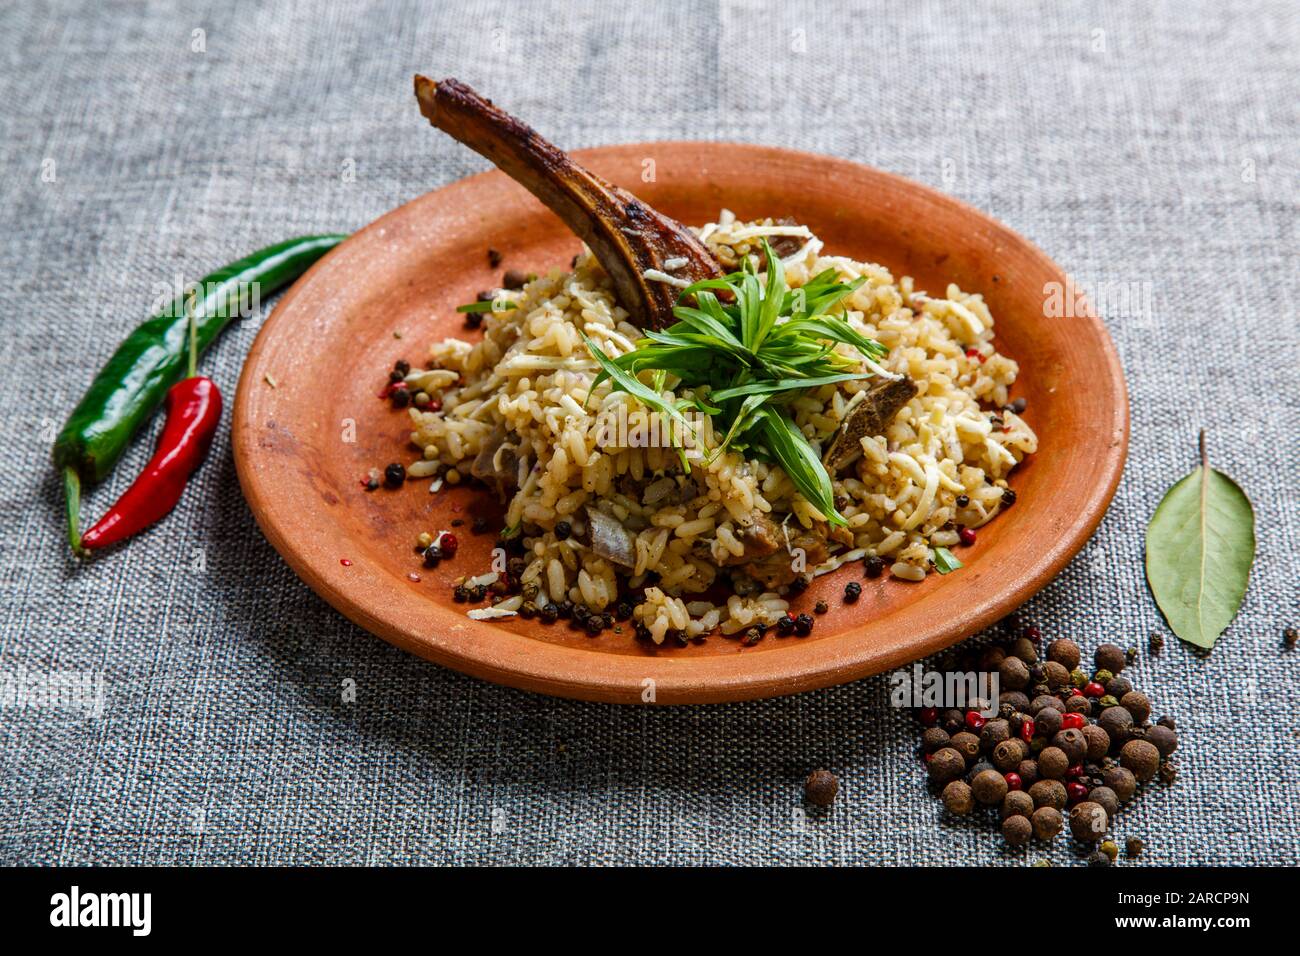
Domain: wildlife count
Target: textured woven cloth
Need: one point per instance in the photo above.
(1148, 148)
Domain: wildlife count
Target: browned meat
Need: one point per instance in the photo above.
(760, 539)
(484, 466)
(777, 569)
(626, 235)
(874, 411)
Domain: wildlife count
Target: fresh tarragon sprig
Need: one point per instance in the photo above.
(748, 347)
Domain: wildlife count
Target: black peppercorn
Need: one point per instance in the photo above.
(803, 625)
(820, 788)
(785, 625)
(852, 591)
(1168, 771)
(821, 607)
(963, 501)
(550, 614)
(562, 530)
(873, 566)
(1155, 643)
(1097, 859)
(400, 397)
(394, 475)
(432, 555)
(1118, 686)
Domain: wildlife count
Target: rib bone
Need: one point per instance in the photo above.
(626, 235)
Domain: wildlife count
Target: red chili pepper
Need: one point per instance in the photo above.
(193, 413)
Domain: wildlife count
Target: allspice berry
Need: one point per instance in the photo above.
(1056, 674)
(1117, 722)
(957, 798)
(1133, 847)
(1117, 687)
(1097, 741)
(1136, 703)
(1028, 771)
(967, 744)
(1088, 821)
(1013, 674)
(820, 788)
(991, 658)
(1064, 651)
(994, 732)
(1078, 704)
(1040, 701)
(1023, 648)
(1047, 822)
(989, 787)
(1017, 830)
(1072, 742)
(933, 739)
(1141, 757)
(1110, 657)
(1048, 721)
(1106, 798)
(1164, 739)
(1017, 803)
(1008, 754)
(1052, 763)
(946, 764)
(1048, 793)
(1120, 780)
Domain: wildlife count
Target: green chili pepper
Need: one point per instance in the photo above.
(135, 380)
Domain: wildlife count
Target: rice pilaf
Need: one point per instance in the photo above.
(517, 406)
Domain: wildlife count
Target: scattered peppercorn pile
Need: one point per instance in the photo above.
(1066, 747)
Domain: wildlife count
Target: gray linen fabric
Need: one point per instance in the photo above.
(1150, 147)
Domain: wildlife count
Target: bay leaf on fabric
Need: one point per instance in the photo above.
(1199, 548)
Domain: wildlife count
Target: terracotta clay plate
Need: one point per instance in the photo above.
(302, 444)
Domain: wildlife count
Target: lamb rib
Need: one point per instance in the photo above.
(626, 235)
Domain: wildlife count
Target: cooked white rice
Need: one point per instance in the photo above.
(531, 374)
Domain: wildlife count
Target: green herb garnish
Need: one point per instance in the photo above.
(491, 306)
(945, 561)
(748, 348)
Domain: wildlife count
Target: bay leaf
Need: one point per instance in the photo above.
(1199, 548)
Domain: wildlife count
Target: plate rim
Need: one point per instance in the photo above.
(526, 663)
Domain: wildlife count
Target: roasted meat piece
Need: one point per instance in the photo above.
(627, 236)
